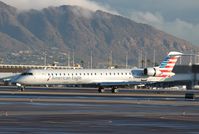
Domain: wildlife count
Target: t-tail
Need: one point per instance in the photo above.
(164, 70)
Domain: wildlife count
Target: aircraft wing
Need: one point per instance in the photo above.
(121, 84)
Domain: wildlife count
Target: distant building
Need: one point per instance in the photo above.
(184, 75)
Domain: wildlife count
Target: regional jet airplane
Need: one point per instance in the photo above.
(101, 78)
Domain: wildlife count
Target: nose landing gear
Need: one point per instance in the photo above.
(21, 87)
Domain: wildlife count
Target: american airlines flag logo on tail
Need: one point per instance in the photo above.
(168, 64)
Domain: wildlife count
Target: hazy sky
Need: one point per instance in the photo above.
(177, 17)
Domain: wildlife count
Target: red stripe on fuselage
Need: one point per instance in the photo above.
(164, 76)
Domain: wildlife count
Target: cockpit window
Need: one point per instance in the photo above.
(27, 73)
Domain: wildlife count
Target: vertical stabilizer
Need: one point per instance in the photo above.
(168, 64)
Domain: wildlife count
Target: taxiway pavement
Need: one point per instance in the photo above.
(68, 111)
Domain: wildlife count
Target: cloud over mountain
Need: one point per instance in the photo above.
(40, 4)
(178, 27)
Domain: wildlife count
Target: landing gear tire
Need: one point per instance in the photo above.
(114, 90)
(22, 89)
(101, 90)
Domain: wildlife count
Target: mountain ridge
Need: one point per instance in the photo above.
(58, 31)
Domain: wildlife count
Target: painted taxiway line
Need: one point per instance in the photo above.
(101, 101)
(62, 94)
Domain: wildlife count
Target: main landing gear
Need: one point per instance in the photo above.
(113, 90)
(101, 90)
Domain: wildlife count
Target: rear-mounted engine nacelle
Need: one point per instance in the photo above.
(151, 72)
